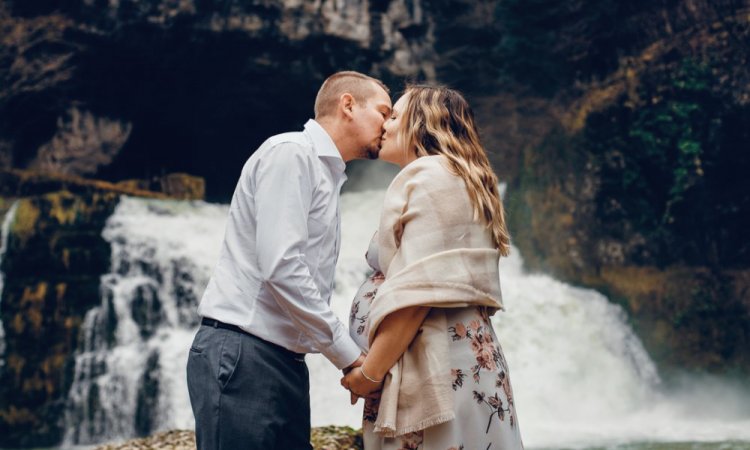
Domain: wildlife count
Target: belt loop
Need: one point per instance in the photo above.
(215, 324)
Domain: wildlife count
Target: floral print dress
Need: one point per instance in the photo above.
(485, 409)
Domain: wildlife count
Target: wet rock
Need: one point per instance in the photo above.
(18, 183)
(148, 397)
(146, 309)
(52, 269)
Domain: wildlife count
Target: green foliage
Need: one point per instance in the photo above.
(674, 166)
(676, 133)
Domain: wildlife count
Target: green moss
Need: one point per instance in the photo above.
(645, 204)
(336, 438)
(25, 221)
(674, 167)
(55, 259)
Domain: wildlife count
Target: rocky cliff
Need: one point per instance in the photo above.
(52, 266)
(136, 88)
(637, 184)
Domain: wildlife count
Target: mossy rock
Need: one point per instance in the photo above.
(323, 438)
(640, 194)
(686, 316)
(336, 438)
(182, 186)
(54, 261)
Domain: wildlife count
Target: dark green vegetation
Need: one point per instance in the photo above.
(638, 184)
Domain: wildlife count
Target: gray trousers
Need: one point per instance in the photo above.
(247, 393)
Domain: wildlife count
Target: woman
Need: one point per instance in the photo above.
(424, 316)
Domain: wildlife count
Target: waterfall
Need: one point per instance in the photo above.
(580, 375)
(130, 368)
(4, 232)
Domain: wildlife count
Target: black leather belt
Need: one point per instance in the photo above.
(228, 326)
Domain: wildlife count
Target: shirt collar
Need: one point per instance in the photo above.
(322, 140)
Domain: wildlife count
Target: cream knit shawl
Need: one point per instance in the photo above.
(433, 254)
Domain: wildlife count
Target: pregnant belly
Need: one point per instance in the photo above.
(359, 323)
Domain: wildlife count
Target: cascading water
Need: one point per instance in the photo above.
(580, 376)
(130, 370)
(4, 233)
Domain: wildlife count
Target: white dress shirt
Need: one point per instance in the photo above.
(275, 272)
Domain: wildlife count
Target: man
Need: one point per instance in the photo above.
(267, 303)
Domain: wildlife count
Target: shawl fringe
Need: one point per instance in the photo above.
(389, 430)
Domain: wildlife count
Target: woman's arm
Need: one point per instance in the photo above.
(392, 338)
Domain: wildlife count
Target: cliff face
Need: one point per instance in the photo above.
(52, 267)
(637, 185)
(137, 88)
(134, 88)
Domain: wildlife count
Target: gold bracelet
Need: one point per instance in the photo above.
(368, 378)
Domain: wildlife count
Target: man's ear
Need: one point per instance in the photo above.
(346, 104)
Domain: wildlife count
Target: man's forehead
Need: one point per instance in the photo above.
(383, 100)
(381, 96)
(382, 104)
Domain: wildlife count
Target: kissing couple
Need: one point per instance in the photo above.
(420, 348)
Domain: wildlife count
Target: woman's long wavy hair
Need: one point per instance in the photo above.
(441, 122)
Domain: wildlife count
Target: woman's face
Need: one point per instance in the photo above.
(391, 149)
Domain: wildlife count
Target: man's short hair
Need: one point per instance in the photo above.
(359, 85)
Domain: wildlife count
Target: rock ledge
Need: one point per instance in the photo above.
(323, 438)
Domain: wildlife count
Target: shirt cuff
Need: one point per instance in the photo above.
(343, 352)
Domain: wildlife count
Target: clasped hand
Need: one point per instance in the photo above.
(358, 385)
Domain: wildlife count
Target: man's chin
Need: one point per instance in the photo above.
(372, 153)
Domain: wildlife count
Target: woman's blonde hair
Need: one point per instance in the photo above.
(439, 121)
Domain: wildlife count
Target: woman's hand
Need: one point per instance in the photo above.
(360, 386)
(392, 338)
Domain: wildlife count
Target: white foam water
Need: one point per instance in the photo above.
(583, 379)
(4, 235)
(580, 375)
(130, 370)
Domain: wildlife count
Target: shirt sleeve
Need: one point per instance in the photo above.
(283, 192)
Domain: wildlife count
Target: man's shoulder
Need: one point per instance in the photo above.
(283, 147)
(295, 138)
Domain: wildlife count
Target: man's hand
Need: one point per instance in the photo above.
(352, 396)
(356, 363)
(359, 386)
